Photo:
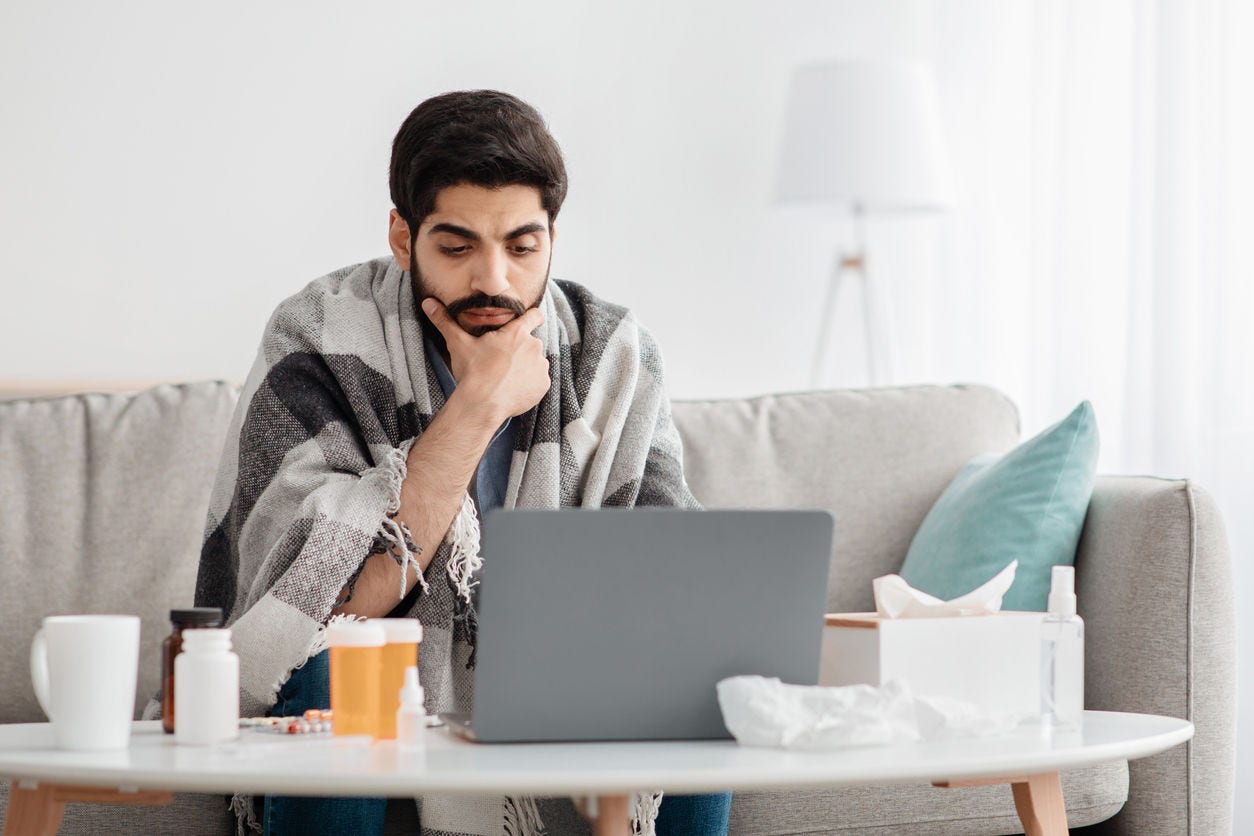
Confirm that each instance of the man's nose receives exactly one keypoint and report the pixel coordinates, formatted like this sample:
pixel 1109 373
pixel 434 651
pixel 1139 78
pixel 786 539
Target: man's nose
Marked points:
pixel 491 273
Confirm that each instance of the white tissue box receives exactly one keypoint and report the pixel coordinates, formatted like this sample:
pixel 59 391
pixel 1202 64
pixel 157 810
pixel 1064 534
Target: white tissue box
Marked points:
pixel 992 661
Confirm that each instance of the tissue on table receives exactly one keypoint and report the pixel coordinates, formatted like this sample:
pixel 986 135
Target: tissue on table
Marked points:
pixel 766 712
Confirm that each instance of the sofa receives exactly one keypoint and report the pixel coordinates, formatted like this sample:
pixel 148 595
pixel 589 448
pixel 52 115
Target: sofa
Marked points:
pixel 102 500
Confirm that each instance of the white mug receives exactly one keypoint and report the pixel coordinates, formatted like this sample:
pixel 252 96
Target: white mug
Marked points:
pixel 84 669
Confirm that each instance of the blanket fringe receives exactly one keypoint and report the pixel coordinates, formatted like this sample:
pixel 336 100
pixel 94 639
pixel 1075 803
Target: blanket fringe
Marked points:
pixel 644 812
pixel 522 817
pixel 397 535
pixel 464 560
pixel 245 816
pixel 395 469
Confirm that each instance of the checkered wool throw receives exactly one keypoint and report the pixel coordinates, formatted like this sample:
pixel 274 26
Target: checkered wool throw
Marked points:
pixel 315 458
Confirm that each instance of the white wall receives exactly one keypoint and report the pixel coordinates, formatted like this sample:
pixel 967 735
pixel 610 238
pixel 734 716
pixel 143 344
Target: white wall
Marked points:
pixel 170 171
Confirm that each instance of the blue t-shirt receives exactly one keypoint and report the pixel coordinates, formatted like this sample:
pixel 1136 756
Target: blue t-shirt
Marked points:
pixel 492 478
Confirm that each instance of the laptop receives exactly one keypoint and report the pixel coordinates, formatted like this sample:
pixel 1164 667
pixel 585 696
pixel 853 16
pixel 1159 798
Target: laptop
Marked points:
pixel 614 624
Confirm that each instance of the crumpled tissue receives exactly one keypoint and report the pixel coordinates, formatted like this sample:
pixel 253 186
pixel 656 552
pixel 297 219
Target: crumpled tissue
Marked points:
pixel 894 598
pixel 762 711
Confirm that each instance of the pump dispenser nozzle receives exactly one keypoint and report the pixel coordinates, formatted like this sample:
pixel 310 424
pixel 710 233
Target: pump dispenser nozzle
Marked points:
pixel 411 692
pixel 411 717
pixel 1062 590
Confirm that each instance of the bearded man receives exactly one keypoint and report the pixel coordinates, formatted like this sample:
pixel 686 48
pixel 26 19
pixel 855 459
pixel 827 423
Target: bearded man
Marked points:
pixel 395 402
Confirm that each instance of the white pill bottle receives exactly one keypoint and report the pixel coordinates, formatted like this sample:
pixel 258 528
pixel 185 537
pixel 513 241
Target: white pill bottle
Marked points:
pixel 206 689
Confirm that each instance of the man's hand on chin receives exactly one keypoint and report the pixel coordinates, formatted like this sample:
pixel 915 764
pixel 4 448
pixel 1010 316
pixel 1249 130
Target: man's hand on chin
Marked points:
pixel 503 372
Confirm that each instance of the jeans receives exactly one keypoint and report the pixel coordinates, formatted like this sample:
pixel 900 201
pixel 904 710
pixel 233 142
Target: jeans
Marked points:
pixel 310 687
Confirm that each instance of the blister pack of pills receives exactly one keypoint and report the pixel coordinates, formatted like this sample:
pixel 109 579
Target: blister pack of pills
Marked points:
pixel 313 722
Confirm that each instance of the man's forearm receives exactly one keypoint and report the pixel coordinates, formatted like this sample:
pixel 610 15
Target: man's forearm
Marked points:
pixel 499 374
pixel 439 469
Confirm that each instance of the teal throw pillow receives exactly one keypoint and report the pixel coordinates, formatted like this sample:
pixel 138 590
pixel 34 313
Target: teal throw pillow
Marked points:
pixel 1028 504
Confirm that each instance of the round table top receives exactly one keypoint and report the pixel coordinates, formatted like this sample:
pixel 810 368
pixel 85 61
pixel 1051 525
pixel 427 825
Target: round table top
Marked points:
pixel 267 762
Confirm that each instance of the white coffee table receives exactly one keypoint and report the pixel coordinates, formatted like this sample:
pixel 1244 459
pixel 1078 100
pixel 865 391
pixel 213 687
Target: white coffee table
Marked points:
pixel 44 779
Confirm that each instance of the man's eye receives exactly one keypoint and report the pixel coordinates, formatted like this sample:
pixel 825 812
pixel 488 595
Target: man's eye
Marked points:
pixel 520 250
pixel 454 250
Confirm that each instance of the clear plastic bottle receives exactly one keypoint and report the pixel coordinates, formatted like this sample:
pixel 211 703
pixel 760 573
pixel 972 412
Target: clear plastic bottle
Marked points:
pixel 411 717
pixel 206 688
pixel 1062 656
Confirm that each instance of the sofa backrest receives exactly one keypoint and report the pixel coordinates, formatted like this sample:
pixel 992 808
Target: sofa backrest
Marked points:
pixel 103 497
pixel 876 458
pixel 102 510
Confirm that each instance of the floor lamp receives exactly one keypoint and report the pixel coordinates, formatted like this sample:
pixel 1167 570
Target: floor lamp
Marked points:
pixel 862 136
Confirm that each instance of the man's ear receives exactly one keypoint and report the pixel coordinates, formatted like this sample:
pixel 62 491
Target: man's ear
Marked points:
pixel 399 239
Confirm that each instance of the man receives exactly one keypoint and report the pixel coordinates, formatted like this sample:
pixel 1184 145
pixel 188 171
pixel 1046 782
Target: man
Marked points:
pixel 394 402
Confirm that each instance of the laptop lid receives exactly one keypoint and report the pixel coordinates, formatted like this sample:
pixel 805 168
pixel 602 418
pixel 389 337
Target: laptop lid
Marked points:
pixel 615 624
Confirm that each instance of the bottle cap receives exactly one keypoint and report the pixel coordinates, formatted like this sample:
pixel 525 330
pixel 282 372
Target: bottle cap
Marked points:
pixel 355 634
pixel 400 630
pixel 197 616
pixel 411 692
pixel 1062 590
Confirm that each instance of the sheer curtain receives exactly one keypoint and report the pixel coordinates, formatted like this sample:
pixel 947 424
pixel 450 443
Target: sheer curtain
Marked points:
pixel 1104 245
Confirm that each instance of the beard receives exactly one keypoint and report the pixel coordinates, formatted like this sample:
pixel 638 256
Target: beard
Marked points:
pixel 459 306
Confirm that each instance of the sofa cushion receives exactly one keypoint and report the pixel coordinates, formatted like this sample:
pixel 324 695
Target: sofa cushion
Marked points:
pixel 876 458
pixel 102 509
pixel 1027 505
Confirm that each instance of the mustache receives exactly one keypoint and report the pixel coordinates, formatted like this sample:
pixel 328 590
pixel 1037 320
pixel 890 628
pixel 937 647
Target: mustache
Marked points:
pixel 482 300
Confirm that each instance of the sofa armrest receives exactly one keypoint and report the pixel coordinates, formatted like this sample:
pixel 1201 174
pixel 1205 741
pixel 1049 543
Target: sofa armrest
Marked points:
pixel 1154 585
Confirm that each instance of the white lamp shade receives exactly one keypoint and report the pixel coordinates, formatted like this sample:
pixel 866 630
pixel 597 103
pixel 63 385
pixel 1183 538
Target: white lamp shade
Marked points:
pixel 865 134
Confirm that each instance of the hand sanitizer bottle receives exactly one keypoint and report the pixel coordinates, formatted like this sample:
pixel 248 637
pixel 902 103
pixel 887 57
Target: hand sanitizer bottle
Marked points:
pixel 1062 656
pixel 411 717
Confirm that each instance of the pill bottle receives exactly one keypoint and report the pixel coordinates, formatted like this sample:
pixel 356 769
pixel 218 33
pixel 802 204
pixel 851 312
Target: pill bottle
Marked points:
pixel 206 688
pixel 181 619
pixel 356 649
pixel 401 652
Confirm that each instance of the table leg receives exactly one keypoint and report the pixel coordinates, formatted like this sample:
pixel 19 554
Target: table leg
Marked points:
pixel 36 808
pixel 1038 800
pixel 33 811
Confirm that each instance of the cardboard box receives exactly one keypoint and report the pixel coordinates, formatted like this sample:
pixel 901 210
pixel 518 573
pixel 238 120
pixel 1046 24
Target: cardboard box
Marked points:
pixel 992 661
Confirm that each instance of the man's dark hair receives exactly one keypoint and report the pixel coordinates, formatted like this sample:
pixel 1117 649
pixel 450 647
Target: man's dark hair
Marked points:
pixel 482 137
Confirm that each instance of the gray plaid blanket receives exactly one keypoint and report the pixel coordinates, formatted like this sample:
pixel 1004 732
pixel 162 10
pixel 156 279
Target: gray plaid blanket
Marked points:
pixel 315 457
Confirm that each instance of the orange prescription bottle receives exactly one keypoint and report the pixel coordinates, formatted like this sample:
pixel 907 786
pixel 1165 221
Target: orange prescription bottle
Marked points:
pixel 356 665
pixel 401 651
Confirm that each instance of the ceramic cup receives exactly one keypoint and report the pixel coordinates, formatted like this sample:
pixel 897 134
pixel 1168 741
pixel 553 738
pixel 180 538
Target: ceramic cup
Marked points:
pixel 84 669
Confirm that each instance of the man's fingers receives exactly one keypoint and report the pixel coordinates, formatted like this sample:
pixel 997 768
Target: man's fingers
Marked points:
pixel 438 314
pixel 531 319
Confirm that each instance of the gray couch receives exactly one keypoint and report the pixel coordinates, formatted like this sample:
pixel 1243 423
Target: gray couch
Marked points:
pixel 102 501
